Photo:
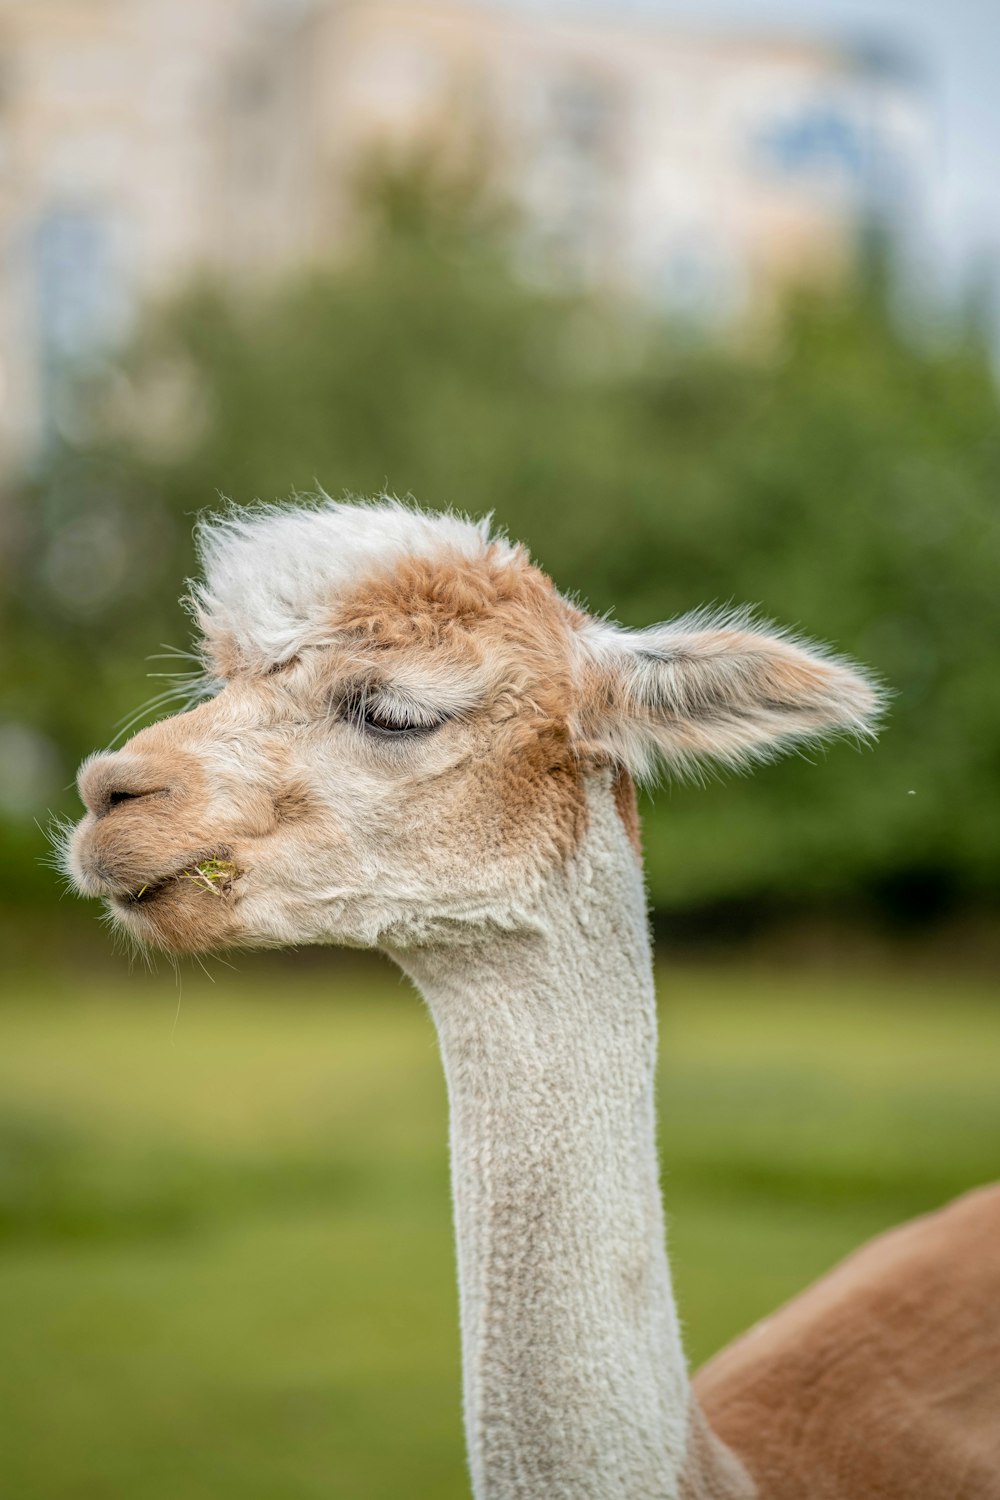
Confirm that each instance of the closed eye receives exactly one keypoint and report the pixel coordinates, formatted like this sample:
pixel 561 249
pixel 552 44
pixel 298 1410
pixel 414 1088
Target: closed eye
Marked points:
pixel 378 720
pixel 384 720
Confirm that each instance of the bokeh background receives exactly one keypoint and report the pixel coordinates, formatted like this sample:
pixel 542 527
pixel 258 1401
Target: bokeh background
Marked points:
pixel 703 306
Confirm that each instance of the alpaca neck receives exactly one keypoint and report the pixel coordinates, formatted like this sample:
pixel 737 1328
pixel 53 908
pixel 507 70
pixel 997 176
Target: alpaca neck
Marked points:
pixel 574 1377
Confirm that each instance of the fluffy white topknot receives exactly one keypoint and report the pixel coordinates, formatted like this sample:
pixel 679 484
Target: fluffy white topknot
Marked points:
pixel 271 573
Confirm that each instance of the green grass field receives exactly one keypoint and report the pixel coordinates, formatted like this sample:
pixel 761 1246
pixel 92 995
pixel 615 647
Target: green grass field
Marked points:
pixel 225 1241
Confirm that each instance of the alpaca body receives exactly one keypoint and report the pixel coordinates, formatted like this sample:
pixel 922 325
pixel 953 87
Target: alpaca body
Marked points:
pixel 881 1381
pixel 412 741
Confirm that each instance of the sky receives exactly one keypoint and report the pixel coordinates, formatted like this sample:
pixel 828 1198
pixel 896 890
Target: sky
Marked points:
pixel 955 46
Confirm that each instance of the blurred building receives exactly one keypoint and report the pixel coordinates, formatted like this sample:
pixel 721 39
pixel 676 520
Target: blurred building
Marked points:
pixel 141 140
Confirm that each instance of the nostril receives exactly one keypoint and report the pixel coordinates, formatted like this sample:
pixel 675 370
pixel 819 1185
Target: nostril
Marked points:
pixel 115 796
pixel 107 782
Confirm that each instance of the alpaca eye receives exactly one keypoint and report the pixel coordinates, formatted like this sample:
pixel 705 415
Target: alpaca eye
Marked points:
pixel 384 721
pixel 380 721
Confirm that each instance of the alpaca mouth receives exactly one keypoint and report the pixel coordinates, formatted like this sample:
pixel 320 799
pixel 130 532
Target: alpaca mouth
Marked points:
pixel 212 873
pixel 146 894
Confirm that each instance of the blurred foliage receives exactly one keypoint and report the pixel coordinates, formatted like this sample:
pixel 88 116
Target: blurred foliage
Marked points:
pixel 837 470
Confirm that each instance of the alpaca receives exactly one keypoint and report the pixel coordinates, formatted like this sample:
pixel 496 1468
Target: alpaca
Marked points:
pixel 414 743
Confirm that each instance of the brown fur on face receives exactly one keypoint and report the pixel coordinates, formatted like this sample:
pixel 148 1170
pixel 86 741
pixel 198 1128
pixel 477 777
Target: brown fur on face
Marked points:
pixel 153 818
pixel 504 610
pixel 143 857
pixel 495 608
pixel 501 619
pixel 293 803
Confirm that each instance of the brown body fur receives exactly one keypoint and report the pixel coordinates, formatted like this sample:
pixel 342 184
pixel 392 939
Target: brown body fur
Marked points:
pixel 882 1381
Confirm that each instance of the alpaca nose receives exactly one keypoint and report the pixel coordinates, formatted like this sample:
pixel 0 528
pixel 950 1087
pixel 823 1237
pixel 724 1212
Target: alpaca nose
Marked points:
pixel 108 781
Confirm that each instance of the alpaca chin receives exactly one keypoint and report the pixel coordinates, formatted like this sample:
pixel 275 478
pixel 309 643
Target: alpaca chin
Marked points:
pixel 177 920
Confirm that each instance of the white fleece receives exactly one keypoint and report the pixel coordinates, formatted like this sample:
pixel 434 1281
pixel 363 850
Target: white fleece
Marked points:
pixel 574 1376
pixel 272 572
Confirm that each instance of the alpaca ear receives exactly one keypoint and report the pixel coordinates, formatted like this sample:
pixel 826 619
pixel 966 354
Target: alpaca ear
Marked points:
pixel 721 687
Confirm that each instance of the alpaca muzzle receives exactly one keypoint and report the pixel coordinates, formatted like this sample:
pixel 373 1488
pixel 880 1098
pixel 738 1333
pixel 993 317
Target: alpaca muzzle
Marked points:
pixel 142 848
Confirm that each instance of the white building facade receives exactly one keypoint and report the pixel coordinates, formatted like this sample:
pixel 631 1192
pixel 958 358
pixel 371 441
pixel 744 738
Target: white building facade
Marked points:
pixel 142 141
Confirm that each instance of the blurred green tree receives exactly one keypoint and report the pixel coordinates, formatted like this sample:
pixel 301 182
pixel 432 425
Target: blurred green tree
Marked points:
pixel 837 472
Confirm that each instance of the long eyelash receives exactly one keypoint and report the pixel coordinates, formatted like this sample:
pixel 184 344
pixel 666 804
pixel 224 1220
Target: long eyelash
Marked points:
pixel 360 704
pixel 353 706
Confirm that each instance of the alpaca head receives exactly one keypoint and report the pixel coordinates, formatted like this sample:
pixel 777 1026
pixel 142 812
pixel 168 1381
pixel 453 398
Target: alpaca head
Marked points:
pixel 405 720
